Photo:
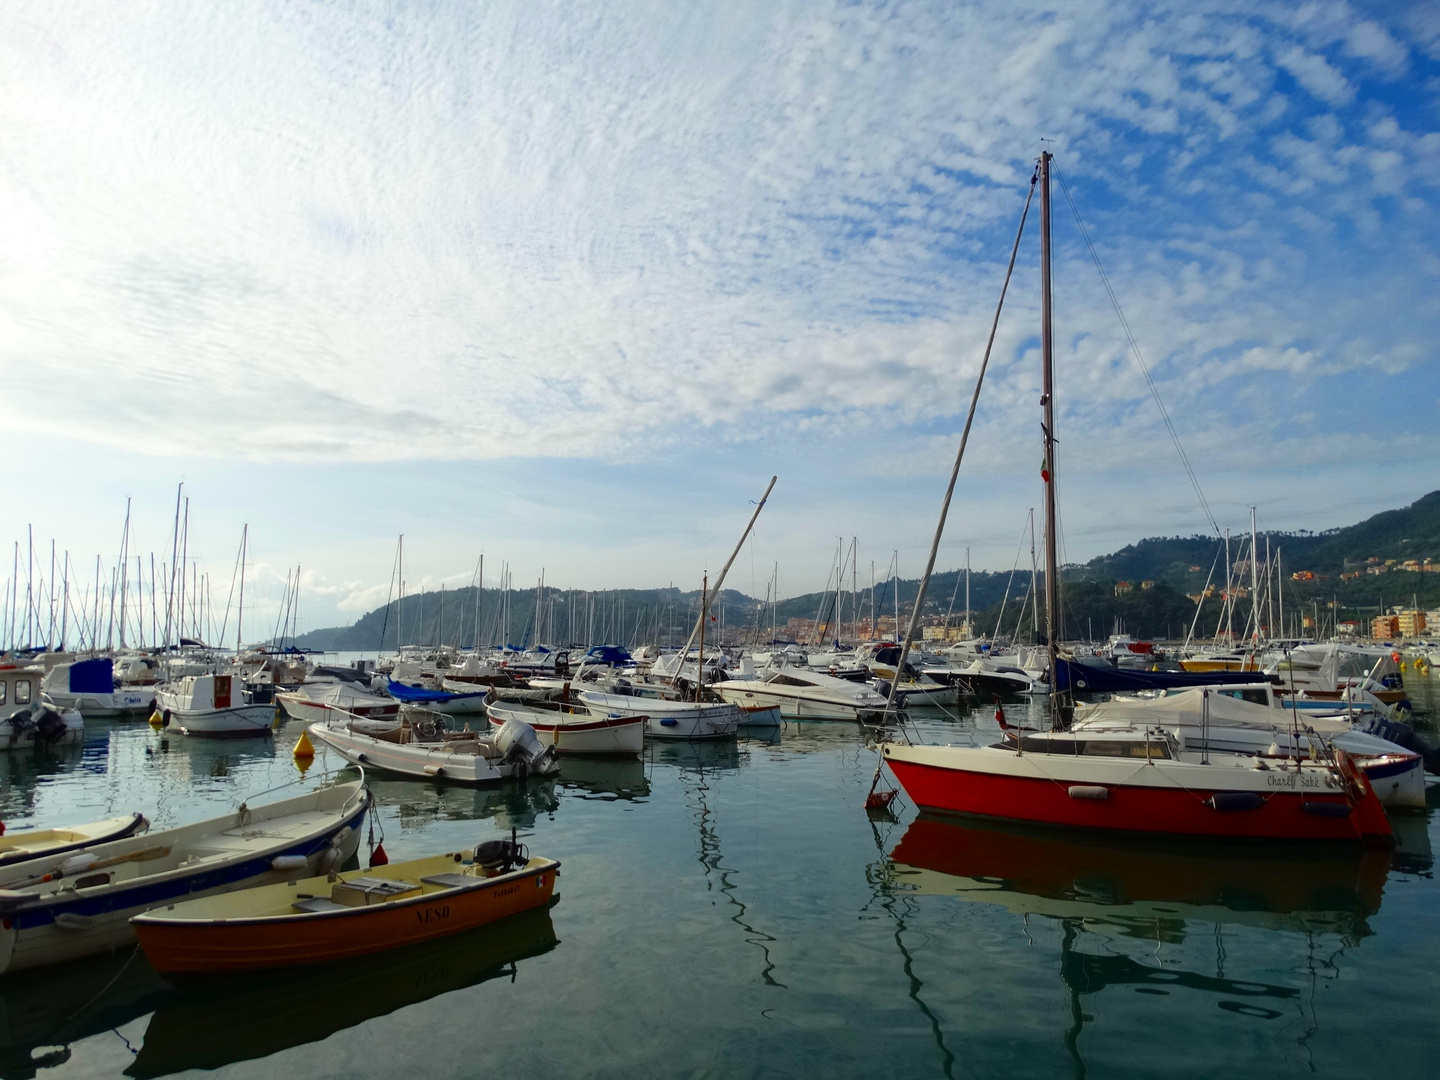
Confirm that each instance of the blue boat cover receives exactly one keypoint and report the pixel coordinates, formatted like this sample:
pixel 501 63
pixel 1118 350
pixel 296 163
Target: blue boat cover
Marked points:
pixel 95 676
pixel 609 654
pixel 1101 680
pixel 412 695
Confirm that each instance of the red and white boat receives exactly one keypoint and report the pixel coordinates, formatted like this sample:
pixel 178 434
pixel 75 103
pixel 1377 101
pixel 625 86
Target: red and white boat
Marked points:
pixel 1137 780
pixel 575 730
pixel 1135 777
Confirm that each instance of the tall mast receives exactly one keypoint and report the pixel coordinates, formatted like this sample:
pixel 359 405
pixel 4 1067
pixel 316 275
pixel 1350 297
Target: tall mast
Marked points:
pixel 1254 581
pixel 1047 401
pixel 240 609
pixel 967 593
pixel 700 666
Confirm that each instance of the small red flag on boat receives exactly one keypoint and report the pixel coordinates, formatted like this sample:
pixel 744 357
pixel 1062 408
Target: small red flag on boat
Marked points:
pixel 1000 715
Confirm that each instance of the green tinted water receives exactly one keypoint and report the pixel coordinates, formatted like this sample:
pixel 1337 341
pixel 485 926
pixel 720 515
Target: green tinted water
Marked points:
pixel 731 910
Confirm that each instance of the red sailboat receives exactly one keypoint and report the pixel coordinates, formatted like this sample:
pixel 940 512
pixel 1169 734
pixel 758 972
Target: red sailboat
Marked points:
pixel 1133 778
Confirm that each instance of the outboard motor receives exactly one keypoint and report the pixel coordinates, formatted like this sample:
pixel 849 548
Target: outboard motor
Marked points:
pixel 501 856
pixel 518 743
pixel 50 726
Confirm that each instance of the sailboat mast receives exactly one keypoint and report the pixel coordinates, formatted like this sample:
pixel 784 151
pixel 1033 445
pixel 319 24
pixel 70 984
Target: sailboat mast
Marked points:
pixel 1047 400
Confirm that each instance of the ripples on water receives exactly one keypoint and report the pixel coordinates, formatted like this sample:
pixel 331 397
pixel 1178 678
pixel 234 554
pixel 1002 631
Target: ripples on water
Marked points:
pixel 731 910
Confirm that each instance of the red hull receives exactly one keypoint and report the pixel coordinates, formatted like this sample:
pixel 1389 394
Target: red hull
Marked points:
pixel 1160 811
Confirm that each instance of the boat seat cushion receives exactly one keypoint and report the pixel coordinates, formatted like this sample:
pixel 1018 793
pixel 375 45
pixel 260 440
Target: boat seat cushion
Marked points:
pixel 318 903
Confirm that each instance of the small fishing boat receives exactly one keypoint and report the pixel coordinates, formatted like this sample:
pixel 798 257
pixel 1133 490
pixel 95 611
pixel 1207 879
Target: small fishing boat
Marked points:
pixel 420 745
pixel 65 906
pixel 575 730
pixel 22 845
pixel 340 916
pixel 316 701
pixel 214 706
pixel 666 719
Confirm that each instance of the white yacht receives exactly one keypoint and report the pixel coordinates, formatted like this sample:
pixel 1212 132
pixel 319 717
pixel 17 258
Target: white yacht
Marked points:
pixel 801 694
pixel 214 706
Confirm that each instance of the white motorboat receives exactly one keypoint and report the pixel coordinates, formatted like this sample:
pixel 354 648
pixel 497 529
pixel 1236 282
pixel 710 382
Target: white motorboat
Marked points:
pixel 28 718
pixel 89 687
pixel 801 694
pixel 666 719
pixel 421 746
pixel 317 701
pixel 70 905
pixel 1250 720
pixel 572 730
pixel 214 706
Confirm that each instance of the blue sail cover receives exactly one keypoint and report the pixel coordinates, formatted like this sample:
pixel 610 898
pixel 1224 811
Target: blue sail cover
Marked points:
pixel 1086 679
pixel 95 676
pixel 609 654
pixel 412 695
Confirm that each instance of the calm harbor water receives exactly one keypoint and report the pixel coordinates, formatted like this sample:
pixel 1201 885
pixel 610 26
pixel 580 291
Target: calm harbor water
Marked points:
pixel 731 910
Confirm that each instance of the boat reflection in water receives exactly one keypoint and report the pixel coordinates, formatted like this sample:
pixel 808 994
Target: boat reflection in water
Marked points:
pixel 1106 892
pixel 46 1010
pixel 705 754
pixel 239 1020
pixel 606 778
pixel 1141 884
pixel 514 802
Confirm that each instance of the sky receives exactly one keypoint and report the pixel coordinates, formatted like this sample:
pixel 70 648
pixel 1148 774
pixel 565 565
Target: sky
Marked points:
pixel 566 285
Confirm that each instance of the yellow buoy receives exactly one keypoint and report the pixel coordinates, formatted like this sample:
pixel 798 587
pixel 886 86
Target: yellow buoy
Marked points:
pixel 156 720
pixel 304 749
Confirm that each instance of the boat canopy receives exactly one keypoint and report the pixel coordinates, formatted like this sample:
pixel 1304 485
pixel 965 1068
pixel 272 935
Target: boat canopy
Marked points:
pixel 413 695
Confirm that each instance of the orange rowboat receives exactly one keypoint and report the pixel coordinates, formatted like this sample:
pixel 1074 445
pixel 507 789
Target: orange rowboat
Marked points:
pixel 322 919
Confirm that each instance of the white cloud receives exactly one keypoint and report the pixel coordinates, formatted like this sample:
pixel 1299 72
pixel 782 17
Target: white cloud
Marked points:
pixel 1316 75
pixel 280 234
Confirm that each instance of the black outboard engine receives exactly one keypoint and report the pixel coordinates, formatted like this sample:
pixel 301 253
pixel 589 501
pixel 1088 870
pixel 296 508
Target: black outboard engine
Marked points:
pixel 502 856
pixel 49 727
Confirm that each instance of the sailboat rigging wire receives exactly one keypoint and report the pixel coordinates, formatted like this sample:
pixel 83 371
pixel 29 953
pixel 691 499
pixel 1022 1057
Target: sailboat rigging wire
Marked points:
pixel 919 607
pixel 1203 593
pixel 1139 359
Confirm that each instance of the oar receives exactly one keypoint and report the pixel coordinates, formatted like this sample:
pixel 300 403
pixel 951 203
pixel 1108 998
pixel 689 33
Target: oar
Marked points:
pixel 143 855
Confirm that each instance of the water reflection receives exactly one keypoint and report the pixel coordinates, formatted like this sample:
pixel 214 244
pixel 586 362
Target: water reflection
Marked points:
pixel 1104 893
pixel 715 755
pixel 607 778
pixel 419 802
pixel 244 1019
pixel 42 1012
pixel 1143 887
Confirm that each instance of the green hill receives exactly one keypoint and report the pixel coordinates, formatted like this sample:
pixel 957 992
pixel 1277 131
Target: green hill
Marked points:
pixel 1348 566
